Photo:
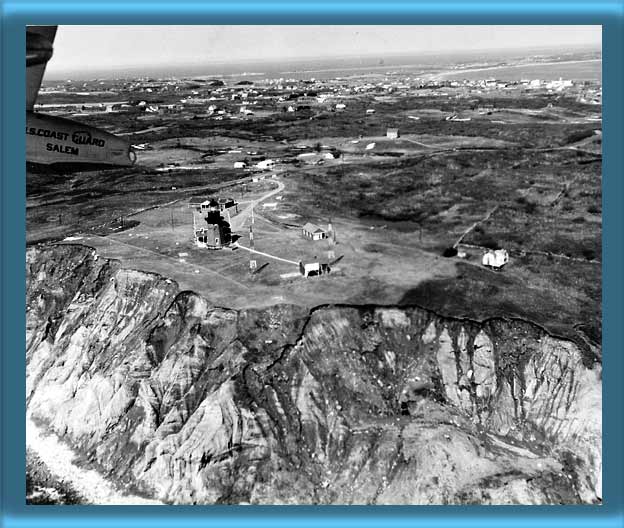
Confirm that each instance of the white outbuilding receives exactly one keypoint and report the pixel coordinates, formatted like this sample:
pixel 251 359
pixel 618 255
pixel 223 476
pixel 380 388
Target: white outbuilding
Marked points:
pixel 495 258
pixel 266 164
pixel 313 232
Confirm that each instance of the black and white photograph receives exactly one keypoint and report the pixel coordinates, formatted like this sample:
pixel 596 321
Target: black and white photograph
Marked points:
pixel 313 265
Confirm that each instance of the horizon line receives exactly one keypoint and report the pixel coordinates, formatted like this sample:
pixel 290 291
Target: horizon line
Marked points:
pixel 55 72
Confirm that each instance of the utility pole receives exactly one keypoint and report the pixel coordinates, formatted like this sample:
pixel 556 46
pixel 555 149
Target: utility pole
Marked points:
pixel 252 262
pixel 331 241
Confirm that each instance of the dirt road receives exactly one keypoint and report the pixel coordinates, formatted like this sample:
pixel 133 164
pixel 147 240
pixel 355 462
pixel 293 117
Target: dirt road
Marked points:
pixel 239 220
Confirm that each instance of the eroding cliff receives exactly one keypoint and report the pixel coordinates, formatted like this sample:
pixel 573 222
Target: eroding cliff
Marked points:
pixel 191 403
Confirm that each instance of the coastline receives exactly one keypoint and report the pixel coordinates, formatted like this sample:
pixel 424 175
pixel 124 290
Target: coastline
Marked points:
pixel 446 73
pixel 58 459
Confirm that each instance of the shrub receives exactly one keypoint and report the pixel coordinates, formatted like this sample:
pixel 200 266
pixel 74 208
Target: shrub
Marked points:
pixel 449 252
pixel 589 254
pixel 530 207
pixel 578 136
pixel 489 243
pixel 593 209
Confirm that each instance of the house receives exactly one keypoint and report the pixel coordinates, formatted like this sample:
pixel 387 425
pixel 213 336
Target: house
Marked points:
pixel 227 205
pixel 495 258
pixel 211 237
pixel 310 269
pixel 239 165
pixel 392 133
pixel 313 269
pixel 265 164
pixel 216 233
pixel 203 204
pixel 313 232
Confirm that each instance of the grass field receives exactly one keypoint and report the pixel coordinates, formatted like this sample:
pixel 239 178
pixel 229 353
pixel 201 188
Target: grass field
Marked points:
pixel 534 161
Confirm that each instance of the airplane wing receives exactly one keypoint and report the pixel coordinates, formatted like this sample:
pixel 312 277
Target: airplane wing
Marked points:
pixel 39 41
pixel 57 144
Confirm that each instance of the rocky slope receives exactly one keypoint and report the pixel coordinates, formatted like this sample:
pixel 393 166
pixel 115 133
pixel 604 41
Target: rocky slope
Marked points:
pixel 191 403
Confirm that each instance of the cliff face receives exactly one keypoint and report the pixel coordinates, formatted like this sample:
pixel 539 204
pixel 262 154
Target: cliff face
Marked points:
pixel 190 403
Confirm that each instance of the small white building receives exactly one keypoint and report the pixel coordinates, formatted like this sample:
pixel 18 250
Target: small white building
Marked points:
pixel 313 232
pixel 265 164
pixel 239 165
pixel 313 269
pixel 392 133
pixel 495 258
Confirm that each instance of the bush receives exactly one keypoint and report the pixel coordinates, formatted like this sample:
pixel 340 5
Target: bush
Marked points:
pixel 449 252
pixel 593 209
pixel 489 243
pixel 530 207
pixel 589 254
pixel 578 136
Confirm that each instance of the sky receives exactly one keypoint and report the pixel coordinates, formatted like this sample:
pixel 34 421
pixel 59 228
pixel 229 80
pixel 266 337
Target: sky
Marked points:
pixel 80 48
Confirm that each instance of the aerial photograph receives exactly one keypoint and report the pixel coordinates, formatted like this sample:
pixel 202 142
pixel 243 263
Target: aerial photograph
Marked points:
pixel 310 265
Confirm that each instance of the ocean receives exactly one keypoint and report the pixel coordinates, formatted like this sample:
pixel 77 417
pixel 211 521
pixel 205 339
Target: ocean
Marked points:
pixel 417 65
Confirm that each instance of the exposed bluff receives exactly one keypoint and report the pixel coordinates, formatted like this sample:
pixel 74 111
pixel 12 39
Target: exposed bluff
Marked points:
pixel 344 404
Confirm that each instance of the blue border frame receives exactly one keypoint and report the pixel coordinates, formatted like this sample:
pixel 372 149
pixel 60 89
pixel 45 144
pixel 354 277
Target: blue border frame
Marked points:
pixel 16 14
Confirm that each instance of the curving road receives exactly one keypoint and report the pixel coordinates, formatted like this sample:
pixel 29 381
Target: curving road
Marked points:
pixel 239 220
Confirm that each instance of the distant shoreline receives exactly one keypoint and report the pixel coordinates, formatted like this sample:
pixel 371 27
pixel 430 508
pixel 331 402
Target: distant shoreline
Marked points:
pixel 447 73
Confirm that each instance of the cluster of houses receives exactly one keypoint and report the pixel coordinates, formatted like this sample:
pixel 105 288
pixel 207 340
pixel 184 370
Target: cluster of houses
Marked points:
pixel 214 99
